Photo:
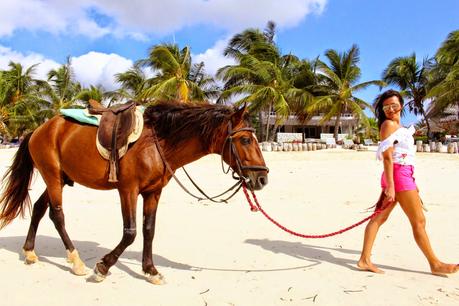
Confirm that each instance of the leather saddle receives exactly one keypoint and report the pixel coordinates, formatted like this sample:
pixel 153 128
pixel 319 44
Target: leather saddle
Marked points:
pixel 116 124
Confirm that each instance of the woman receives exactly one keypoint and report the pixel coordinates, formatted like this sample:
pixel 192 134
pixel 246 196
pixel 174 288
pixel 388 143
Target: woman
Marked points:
pixel 398 186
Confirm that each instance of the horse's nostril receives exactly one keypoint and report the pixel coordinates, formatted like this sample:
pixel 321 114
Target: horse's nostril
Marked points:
pixel 263 180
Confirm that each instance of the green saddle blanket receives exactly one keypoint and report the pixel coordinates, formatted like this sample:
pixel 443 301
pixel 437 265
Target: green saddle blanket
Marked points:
pixel 80 115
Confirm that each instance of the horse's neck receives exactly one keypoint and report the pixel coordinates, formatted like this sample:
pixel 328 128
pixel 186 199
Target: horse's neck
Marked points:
pixel 187 152
pixel 192 149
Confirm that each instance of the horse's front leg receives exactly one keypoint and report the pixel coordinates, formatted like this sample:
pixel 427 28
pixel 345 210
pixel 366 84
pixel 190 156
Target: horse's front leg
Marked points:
pixel 150 205
pixel 128 209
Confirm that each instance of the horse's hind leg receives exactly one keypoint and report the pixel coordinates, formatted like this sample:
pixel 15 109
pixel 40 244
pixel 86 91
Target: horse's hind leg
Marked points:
pixel 39 210
pixel 56 214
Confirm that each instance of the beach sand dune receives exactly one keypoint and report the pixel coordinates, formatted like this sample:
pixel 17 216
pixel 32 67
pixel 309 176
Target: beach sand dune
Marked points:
pixel 223 254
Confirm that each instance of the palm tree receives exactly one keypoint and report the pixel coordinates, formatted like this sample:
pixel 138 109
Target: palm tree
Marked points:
pixel 254 42
pixel 262 83
pixel 262 77
pixel 337 86
pixel 92 93
pixel 206 83
pixel 4 105
pixel 444 76
pixel 412 78
pixel 18 95
pixel 369 131
pixel 133 82
pixel 173 79
pixel 305 80
pixel 59 92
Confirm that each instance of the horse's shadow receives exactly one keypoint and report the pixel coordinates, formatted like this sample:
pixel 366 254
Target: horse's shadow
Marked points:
pixel 48 247
pixel 90 252
pixel 317 253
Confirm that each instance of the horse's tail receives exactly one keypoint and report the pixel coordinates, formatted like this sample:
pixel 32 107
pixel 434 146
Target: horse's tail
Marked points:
pixel 16 181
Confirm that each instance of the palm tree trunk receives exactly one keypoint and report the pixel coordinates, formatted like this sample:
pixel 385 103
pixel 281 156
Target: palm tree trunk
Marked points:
pixel 427 121
pixel 267 121
pixel 260 124
pixel 337 121
pixel 273 131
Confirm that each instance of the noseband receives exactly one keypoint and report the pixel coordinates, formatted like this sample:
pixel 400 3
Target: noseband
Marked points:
pixel 238 173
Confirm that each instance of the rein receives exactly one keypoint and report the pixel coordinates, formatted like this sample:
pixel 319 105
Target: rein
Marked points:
pixel 242 182
pixel 257 207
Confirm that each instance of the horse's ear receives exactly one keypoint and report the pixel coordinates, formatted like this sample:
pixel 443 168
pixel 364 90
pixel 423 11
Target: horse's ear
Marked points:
pixel 94 104
pixel 238 115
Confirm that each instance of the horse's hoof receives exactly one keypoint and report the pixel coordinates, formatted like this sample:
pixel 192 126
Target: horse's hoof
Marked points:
pixel 79 269
pixel 97 276
pixel 78 266
pixel 30 257
pixel 156 279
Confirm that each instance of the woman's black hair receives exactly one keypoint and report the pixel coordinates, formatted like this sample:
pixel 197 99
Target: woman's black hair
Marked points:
pixel 380 115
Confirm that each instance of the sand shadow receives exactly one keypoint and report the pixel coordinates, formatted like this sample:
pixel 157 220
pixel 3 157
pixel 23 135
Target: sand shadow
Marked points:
pixel 318 253
pixel 48 247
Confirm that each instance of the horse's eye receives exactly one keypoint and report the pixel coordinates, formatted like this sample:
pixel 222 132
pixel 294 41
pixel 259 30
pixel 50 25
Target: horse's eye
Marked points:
pixel 246 140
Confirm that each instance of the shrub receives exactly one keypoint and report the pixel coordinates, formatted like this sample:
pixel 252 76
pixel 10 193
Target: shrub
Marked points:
pixel 424 139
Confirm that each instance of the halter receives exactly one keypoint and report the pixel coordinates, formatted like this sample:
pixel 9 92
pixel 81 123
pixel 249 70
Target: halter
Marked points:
pixel 237 175
pixel 241 179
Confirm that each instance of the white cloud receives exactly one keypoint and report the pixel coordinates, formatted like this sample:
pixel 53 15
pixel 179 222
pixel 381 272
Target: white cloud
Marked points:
pixel 240 14
pixel 92 68
pixel 138 18
pixel 96 68
pixel 27 60
pixel 213 58
pixel 91 29
pixel 54 16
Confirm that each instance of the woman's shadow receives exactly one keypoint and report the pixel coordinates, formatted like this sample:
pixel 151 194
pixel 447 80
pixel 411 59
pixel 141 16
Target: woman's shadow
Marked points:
pixel 90 252
pixel 317 253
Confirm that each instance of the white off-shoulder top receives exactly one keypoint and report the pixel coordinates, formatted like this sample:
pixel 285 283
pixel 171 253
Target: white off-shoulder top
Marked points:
pixel 403 142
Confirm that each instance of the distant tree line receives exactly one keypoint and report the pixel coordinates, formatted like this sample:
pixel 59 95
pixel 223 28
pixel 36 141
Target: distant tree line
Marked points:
pixel 268 81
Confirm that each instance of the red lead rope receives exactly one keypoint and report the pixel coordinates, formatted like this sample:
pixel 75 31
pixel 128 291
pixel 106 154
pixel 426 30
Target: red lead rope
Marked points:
pixel 257 207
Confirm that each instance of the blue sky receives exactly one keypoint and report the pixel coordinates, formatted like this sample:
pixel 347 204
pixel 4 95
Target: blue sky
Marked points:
pixel 104 37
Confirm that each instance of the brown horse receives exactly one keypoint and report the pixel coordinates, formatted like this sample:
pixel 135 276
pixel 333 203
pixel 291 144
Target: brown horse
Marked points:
pixel 64 152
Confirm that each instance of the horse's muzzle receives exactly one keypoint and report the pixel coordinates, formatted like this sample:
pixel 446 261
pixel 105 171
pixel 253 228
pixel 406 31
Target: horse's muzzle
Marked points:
pixel 258 180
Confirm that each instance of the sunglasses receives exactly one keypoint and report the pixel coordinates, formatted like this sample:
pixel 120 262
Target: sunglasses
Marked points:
pixel 393 107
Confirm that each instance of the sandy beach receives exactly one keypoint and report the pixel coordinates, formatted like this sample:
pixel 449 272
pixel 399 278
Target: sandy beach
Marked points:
pixel 224 254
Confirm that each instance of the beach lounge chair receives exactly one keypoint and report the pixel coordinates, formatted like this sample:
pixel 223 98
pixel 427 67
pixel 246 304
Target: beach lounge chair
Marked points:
pixel 348 144
pixel 330 143
pixel 368 142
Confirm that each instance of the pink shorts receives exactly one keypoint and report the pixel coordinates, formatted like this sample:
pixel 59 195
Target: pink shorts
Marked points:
pixel 403 178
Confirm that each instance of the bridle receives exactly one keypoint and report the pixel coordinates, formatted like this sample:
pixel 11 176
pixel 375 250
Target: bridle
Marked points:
pixel 237 175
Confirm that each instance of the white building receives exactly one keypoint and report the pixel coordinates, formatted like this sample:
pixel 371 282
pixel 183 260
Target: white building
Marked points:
pixel 313 127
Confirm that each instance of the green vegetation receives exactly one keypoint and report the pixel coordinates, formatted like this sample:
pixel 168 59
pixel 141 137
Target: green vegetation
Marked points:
pixel 268 81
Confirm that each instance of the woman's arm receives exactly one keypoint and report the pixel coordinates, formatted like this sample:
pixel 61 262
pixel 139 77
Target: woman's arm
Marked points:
pixel 387 128
pixel 389 174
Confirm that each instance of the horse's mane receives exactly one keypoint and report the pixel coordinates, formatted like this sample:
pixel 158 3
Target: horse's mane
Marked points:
pixel 179 122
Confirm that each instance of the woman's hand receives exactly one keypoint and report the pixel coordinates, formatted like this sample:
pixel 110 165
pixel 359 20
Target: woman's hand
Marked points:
pixel 390 195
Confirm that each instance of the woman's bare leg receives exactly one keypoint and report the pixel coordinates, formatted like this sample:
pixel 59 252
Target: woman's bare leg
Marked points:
pixel 370 235
pixel 412 206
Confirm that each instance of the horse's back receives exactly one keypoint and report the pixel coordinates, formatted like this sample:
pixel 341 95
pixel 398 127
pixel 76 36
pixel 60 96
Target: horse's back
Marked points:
pixel 69 147
pixel 58 134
